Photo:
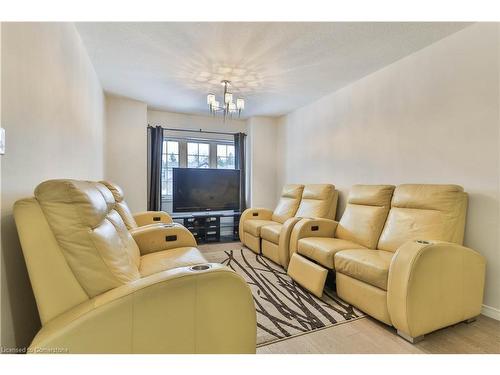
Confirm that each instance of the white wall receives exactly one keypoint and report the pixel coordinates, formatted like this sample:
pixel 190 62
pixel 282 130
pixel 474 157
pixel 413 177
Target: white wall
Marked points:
pixel 126 149
pixel 262 172
pixel 432 117
pixel 53 113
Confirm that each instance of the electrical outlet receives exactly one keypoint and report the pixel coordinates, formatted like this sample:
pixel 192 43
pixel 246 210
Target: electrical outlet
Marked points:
pixel 2 141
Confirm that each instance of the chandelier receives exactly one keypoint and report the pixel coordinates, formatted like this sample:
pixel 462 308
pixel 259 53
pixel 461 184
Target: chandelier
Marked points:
pixel 228 108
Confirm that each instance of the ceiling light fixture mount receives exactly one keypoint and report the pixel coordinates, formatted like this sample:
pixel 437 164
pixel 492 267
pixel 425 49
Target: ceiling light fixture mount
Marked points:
pixel 228 108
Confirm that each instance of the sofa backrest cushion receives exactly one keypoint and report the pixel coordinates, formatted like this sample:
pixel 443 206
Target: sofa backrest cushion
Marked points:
pixel 318 201
pixel 425 212
pixel 54 284
pixel 288 203
pixel 93 238
pixel 121 206
pixel 365 214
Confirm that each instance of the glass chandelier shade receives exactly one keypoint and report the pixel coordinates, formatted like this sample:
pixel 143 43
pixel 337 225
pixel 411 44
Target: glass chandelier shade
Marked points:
pixel 229 107
pixel 210 99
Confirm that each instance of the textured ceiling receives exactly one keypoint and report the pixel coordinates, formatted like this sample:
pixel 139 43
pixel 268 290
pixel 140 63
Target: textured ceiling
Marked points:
pixel 276 67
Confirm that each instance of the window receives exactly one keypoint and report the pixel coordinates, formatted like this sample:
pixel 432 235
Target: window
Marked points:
pixel 198 155
pixel 192 153
pixel 225 156
pixel 170 159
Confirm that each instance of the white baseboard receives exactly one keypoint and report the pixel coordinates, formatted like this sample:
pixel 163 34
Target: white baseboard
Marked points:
pixel 490 312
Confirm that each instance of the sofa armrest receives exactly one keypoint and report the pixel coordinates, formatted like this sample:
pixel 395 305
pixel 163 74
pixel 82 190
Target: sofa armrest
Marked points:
pixel 151 239
pixel 152 217
pixel 284 242
pixel 253 213
pixel 175 311
pixel 433 284
pixel 311 228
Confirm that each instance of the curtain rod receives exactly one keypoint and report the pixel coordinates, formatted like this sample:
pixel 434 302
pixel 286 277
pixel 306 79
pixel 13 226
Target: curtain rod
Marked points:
pixel 195 131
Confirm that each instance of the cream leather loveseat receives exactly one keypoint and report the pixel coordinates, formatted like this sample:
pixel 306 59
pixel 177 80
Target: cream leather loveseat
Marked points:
pixel 101 288
pixel 266 231
pixel 139 219
pixel 397 256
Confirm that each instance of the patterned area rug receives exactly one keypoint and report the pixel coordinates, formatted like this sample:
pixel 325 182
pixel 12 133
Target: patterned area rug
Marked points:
pixel 284 309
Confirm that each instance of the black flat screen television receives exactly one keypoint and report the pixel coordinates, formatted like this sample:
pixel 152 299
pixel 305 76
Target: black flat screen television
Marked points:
pixel 201 189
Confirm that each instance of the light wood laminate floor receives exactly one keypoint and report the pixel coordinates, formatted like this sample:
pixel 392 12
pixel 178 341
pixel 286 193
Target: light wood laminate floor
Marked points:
pixel 367 335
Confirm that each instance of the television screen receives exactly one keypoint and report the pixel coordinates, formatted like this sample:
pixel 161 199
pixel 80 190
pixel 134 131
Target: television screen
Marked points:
pixel 200 189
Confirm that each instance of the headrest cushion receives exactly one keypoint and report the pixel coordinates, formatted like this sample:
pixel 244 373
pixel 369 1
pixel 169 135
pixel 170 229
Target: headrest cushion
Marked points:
pixel 428 197
pixel 318 191
pixel 292 191
pixel 80 198
pixel 371 195
pixel 115 189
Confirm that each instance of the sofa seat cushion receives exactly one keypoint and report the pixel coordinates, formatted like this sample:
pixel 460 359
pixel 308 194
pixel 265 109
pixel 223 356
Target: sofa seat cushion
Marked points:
pixel 369 266
pixel 253 226
pixel 271 233
pixel 168 259
pixel 323 249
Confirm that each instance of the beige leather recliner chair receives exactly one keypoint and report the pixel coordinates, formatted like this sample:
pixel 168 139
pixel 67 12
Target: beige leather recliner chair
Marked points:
pixel 100 288
pixel 253 219
pixel 318 201
pixel 418 277
pixel 314 242
pixel 272 236
pixel 139 219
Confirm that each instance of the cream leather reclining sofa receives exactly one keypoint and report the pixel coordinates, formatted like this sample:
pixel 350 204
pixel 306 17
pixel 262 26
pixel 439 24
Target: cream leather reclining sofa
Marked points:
pixel 266 231
pixel 101 288
pixel 139 219
pixel 397 256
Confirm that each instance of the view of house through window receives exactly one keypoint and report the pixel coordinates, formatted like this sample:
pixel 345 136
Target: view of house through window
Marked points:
pixel 198 155
pixel 193 153
pixel 225 156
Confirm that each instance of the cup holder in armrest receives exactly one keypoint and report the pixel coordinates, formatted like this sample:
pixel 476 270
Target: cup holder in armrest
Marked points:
pixel 200 267
pixel 423 242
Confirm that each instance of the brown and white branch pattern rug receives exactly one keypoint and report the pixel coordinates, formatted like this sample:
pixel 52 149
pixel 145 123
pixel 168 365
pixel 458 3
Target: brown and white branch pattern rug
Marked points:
pixel 284 309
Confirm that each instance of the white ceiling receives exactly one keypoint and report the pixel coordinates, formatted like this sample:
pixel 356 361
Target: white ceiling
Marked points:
pixel 276 67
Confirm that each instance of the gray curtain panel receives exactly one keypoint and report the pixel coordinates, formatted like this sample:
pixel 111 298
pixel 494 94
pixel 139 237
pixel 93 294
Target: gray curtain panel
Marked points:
pixel 239 163
pixel 155 145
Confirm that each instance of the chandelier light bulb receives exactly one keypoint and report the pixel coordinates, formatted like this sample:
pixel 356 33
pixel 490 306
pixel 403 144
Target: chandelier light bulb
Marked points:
pixel 232 107
pixel 228 97
pixel 240 103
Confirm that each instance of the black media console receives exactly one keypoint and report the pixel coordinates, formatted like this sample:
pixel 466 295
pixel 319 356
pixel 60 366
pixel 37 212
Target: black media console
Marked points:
pixel 211 226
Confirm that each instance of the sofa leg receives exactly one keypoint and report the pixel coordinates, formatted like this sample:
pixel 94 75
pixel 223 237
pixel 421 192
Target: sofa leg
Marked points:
pixel 470 320
pixel 410 339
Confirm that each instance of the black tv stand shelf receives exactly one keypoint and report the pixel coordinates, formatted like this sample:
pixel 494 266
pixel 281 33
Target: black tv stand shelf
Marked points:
pixel 209 227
